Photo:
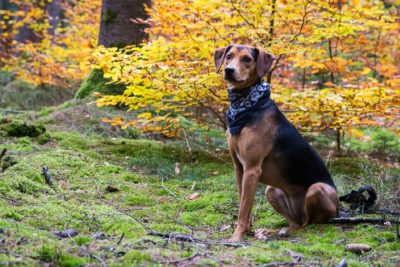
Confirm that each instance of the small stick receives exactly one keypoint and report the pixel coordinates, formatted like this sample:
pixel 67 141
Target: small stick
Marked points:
pixel 47 176
pixel 12 111
pixel 187 142
pixel 360 220
pixel 10 199
pixel 120 239
pixel 190 258
pixel 102 262
pixel 282 263
pixel 166 189
pixel 190 239
pixel 2 154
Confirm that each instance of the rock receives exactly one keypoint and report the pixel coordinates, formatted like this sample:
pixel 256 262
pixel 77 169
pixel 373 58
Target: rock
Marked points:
pixel 358 248
pixel 111 189
pixel 67 233
pixel 99 236
pixel 120 253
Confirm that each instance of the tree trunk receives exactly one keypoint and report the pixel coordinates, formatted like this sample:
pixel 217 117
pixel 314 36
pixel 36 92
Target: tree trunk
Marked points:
pixel 338 140
pixel 116 30
pixel 116 27
pixel 55 13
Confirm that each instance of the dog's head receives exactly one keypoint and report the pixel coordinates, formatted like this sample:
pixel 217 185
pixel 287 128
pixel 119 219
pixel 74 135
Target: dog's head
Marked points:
pixel 244 65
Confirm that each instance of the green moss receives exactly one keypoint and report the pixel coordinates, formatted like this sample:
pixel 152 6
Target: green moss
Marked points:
pixel 95 82
pixel 139 200
pixel 45 111
pixel 82 240
pixel 136 257
pixel 59 258
pixel 7 162
pixel 11 214
pixel 109 16
pixel 43 139
pixel 83 165
pixel 23 129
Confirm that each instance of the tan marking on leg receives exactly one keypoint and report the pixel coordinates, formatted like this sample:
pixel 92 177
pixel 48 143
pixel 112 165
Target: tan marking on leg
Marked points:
pixel 283 205
pixel 321 203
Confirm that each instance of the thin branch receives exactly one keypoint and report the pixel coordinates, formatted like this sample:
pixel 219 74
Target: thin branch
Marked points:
pixel 191 239
pixel 303 22
pixel 360 220
pixel 102 262
pixel 282 263
pixel 187 142
pixel 166 189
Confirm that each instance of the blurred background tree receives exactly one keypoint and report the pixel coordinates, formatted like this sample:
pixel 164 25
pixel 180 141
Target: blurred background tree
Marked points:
pixel 336 68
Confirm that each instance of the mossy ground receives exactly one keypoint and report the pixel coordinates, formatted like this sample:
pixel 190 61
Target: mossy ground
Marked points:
pixel 152 197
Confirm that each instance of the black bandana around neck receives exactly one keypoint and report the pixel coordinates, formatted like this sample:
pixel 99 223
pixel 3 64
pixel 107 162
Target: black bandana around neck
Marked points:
pixel 245 103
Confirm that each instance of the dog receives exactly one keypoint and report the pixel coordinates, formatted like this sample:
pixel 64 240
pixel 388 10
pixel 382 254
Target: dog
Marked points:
pixel 266 148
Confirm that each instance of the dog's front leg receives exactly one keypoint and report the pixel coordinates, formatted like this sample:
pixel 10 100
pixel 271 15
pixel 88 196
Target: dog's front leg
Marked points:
pixel 249 187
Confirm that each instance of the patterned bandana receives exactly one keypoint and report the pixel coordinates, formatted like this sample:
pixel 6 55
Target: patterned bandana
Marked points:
pixel 245 104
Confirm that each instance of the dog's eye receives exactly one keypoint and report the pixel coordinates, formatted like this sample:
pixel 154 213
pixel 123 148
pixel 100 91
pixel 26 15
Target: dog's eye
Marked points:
pixel 228 56
pixel 246 59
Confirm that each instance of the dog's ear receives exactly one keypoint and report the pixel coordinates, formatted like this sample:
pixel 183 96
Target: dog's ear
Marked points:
pixel 264 62
pixel 219 56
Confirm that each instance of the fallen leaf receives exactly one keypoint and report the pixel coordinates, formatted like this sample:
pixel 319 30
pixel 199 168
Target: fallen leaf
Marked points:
pixel 63 185
pixel 193 196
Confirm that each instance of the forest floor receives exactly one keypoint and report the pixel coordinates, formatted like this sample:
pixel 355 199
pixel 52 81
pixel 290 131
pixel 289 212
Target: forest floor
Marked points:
pixel 125 205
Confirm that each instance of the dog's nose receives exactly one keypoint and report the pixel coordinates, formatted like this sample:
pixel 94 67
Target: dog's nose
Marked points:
pixel 229 71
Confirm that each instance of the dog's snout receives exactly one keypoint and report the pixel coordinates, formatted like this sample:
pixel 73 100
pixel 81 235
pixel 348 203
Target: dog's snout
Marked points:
pixel 229 71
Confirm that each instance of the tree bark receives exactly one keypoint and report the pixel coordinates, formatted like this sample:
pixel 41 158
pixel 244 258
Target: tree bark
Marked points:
pixel 116 27
pixel 54 12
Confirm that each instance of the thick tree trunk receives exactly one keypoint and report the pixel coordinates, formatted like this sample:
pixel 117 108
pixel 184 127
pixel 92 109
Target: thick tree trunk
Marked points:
pixel 116 28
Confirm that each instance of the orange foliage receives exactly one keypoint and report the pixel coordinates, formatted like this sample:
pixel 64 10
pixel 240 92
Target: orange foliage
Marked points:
pixel 336 66
pixel 53 56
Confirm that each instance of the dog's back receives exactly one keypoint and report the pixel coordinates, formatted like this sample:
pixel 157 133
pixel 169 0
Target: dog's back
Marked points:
pixel 296 161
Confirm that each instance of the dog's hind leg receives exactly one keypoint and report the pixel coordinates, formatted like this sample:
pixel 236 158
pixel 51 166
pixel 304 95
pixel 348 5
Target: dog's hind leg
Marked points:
pixel 321 203
pixel 291 209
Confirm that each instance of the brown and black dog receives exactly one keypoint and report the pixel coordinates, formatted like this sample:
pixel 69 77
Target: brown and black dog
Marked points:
pixel 265 147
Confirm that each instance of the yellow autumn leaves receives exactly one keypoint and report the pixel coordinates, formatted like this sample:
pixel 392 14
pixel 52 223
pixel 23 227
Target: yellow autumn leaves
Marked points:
pixel 336 62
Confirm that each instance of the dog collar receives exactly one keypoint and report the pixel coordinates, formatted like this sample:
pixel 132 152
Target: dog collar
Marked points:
pixel 245 104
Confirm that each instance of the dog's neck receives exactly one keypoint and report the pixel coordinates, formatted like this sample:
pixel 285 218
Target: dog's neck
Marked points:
pixel 238 96
pixel 245 104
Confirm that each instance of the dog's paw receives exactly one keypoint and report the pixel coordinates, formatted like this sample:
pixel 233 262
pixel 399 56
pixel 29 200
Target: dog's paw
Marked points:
pixel 284 232
pixel 235 239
